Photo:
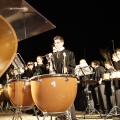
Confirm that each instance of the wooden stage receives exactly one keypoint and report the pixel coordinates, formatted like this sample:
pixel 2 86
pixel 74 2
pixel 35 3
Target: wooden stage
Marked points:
pixel 8 115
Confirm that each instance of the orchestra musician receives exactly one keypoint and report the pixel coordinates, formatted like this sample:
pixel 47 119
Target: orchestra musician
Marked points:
pixel 116 64
pixel 29 70
pixel 83 72
pixel 109 87
pixel 49 58
pixel 40 67
pixel 9 72
pixel 99 87
pixel 63 62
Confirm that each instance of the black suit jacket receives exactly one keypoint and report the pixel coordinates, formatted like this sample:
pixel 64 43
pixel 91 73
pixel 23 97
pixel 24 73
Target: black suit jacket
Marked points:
pixel 59 62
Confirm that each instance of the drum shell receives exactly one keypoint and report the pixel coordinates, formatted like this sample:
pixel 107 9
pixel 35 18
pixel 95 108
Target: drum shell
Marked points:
pixel 3 93
pixel 116 75
pixel 19 92
pixel 54 93
pixel 106 76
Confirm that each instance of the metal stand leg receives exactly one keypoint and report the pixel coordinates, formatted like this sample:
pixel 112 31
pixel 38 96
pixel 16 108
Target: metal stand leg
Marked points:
pixel 89 110
pixel 45 114
pixel 18 113
pixel 115 109
pixel 67 113
pixel 35 113
pixel 1 105
pixel 113 112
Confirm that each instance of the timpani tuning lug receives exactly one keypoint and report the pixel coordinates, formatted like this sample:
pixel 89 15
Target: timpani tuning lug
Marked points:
pixel 66 79
pixel 39 80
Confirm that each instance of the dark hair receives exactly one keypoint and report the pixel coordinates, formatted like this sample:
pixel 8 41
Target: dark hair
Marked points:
pixel 58 37
pixel 40 57
pixel 96 62
pixel 118 49
pixel 108 62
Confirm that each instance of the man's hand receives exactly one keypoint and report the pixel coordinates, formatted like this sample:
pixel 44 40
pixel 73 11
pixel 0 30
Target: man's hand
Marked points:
pixel 100 81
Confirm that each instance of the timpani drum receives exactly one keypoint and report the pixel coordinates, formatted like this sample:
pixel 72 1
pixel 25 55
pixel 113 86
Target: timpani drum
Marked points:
pixel 19 92
pixel 106 76
pixel 55 92
pixel 116 75
pixel 3 93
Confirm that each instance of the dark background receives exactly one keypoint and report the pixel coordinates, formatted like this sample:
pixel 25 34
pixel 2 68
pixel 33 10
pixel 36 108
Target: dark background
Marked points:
pixel 86 26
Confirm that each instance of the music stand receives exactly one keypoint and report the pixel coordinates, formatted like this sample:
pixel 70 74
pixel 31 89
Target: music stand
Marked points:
pixel 85 71
pixel 114 110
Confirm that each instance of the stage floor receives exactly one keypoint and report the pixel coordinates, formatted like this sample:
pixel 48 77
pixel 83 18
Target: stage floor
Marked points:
pixel 8 115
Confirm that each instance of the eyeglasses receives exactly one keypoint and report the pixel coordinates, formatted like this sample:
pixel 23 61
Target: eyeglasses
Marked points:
pixel 57 43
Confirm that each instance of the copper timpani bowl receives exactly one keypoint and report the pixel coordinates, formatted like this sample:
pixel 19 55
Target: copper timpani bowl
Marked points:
pixel 54 93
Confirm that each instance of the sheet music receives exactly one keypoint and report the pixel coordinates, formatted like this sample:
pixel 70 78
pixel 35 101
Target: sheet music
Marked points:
pixel 81 71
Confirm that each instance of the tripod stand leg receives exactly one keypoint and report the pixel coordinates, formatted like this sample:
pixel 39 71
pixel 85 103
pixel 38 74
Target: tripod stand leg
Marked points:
pixel 17 114
pixel 95 111
pixel 87 109
pixel 113 111
pixel 35 113
pixel 91 111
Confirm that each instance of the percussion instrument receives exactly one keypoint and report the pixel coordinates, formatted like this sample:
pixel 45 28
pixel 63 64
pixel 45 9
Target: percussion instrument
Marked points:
pixel 106 76
pixel 88 82
pixel 13 29
pixel 19 92
pixel 115 75
pixel 54 92
pixel 3 93
pixel 8 45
